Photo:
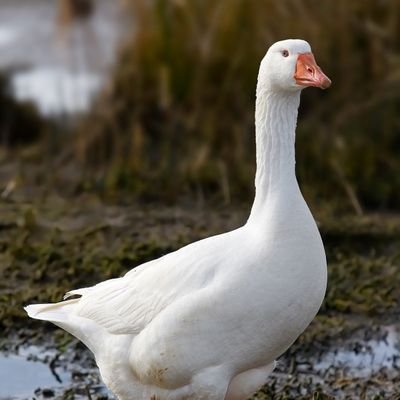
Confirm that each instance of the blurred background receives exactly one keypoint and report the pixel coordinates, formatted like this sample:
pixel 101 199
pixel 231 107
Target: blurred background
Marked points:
pixel 127 131
pixel 156 98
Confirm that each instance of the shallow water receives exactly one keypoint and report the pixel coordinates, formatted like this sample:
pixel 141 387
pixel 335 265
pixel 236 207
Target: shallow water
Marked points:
pixel 21 374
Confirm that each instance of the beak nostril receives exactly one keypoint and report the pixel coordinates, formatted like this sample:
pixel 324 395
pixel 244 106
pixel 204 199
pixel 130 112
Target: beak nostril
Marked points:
pixel 310 70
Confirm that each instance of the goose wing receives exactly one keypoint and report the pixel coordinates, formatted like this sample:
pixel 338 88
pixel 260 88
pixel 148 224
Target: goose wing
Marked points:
pixel 126 305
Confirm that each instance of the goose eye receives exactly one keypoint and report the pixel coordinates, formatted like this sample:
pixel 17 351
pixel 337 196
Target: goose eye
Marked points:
pixel 285 53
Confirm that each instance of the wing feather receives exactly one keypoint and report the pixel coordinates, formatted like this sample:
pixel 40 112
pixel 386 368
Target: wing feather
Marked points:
pixel 126 305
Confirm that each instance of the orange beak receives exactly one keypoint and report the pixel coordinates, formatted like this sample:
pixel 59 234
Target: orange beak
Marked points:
pixel 308 73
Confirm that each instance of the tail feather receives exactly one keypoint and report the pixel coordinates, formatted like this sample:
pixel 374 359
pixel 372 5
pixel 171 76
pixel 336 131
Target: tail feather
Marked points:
pixel 63 315
pixel 53 312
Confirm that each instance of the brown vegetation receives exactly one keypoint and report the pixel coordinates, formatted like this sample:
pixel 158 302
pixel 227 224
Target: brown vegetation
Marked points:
pixel 179 110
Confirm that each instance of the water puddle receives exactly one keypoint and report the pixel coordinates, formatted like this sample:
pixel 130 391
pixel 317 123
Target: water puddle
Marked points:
pixel 23 373
pixel 362 357
pixel 42 373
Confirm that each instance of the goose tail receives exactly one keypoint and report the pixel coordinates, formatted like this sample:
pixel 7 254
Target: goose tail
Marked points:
pixel 53 312
pixel 64 316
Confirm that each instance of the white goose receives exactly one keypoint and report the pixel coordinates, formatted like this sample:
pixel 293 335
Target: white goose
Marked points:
pixel 208 321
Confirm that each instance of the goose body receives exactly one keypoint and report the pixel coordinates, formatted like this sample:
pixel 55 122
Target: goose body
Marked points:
pixel 209 320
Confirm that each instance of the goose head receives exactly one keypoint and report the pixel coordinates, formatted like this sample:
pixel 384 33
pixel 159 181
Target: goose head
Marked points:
pixel 289 65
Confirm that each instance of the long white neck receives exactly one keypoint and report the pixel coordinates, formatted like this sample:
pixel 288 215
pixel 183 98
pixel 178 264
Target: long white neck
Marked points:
pixel 276 118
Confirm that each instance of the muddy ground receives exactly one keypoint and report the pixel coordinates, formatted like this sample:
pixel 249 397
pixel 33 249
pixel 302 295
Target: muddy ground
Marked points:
pixel 50 244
